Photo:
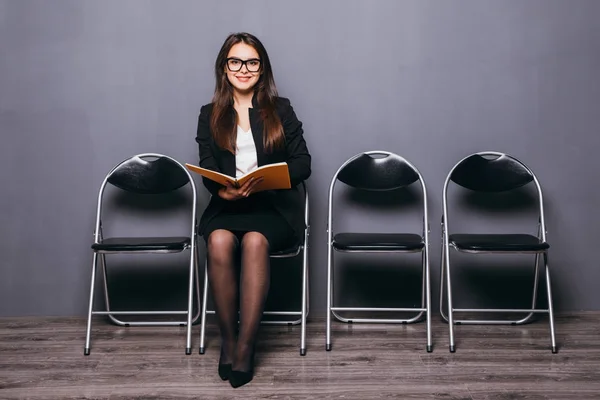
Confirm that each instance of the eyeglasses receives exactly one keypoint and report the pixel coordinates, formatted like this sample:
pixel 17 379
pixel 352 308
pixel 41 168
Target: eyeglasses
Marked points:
pixel 235 64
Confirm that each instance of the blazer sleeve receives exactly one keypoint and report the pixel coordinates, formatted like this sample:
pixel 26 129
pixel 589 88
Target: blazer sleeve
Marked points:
pixel 298 157
pixel 207 157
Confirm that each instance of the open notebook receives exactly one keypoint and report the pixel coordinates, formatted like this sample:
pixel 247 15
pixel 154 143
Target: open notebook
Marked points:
pixel 275 176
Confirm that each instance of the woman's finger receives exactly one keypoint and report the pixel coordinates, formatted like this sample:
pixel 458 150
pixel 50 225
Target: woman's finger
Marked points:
pixel 247 184
pixel 254 183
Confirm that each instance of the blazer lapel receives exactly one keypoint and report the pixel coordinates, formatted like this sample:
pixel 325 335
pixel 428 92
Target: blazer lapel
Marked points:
pixel 257 133
pixel 226 158
pixel 228 163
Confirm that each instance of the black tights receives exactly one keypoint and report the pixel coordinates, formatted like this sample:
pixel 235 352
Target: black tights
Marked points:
pixel 253 286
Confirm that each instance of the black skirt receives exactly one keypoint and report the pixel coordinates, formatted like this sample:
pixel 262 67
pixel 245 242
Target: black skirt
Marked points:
pixel 254 214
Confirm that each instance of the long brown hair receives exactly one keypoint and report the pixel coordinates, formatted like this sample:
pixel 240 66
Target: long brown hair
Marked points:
pixel 224 119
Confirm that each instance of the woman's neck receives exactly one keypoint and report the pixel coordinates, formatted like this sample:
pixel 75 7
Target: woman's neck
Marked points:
pixel 243 100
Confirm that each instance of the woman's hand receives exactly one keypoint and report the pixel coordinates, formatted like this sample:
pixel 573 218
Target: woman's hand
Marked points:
pixel 232 193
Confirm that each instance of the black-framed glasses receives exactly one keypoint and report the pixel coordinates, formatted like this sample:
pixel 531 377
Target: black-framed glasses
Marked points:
pixel 235 64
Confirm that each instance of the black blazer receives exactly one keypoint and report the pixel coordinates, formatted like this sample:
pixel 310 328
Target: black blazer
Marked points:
pixel 288 202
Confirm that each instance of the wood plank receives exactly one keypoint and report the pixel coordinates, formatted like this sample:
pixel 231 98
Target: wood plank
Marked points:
pixel 42 358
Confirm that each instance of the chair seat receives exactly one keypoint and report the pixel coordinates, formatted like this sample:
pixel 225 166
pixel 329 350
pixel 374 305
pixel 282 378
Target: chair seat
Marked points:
pixel 286 252
pixel 378 242
pixel 142 244
pixel 497 242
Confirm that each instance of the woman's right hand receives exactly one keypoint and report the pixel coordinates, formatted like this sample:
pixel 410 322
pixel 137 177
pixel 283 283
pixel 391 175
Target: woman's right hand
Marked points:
pixel 232 193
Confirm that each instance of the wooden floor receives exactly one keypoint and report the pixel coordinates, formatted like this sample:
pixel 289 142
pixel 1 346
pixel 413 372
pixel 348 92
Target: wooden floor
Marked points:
pixel 42 358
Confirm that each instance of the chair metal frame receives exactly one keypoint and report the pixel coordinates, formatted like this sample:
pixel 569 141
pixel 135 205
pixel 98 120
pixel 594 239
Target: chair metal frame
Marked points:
pixel 193 267
pixel 426 286
pixel 303 313
pixel 445 267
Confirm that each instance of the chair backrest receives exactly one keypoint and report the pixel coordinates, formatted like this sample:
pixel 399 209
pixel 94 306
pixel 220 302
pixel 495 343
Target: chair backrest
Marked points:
pixel 147 173
pixel 377 170
pixel 387 172
pixel 491 172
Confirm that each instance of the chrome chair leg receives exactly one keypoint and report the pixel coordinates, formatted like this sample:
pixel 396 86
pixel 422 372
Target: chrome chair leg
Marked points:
pixel 203 321
pixel 452 346
pixel 550 305
pixel 329 298
pixel 304 300
pixel 86 349
pixel 197 279
pixel 188 346
pixel 428 300
pixel 442 283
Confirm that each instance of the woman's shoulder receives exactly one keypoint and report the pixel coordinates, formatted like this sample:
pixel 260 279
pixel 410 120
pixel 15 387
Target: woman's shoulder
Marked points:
pixel 206 109
pixel 283 105
pixel 282 102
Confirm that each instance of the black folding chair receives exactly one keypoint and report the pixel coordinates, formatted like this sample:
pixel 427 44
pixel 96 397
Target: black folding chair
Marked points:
pixel 378 171
pixel 493 172
pixel 145 174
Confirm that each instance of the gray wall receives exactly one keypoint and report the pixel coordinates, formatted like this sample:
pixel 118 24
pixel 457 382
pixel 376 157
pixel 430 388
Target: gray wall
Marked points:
pixel 84 85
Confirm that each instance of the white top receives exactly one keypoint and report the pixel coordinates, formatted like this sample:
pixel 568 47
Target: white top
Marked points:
pixel 245 153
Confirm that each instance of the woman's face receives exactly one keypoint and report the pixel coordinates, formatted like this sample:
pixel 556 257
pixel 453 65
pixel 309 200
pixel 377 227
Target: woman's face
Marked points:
pixel 243 67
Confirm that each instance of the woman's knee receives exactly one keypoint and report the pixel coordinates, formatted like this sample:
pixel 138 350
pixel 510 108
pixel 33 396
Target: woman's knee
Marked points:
pixel 221 241
pixel 255 241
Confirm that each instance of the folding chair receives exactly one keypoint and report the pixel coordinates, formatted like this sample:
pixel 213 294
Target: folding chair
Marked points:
pixel 297 250
pixel 145 174
pixel 493 172
pixel 378 171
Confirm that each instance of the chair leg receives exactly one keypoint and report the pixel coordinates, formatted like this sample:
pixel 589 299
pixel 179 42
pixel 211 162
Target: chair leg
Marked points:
pixel 442 284
pixel 188 346
pixel 304 297
pixel 307 288
pixel 449 300
pixel 428 299
pixel 423 287
pixel 197 279
pixel 86 349
pixel 329 298
pixel 550 305
pixel 203 314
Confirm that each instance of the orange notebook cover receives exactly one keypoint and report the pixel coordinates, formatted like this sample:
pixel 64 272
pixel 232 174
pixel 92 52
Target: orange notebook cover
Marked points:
pixel 275 176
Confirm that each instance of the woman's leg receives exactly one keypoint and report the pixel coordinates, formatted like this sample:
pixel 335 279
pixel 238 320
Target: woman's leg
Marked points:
pixel 254 287
pixel 222 275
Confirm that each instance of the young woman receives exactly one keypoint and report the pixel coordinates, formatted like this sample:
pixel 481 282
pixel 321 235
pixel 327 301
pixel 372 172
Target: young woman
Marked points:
pixel 246 126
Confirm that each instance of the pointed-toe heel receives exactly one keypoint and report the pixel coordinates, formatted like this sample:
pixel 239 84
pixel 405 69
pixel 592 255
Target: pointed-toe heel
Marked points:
pixel 224 371
pixel 240 378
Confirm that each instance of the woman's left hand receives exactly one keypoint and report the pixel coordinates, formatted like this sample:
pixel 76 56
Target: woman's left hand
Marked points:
pixel 232 193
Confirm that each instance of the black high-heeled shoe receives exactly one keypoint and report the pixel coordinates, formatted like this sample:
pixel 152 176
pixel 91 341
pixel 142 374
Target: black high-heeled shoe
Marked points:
pixel 240 378
pixel 224 371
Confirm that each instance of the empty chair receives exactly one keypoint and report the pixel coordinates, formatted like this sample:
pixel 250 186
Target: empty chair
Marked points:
pixel 495 174
pixel 289 317
pixel 145 175
pixel 378 171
